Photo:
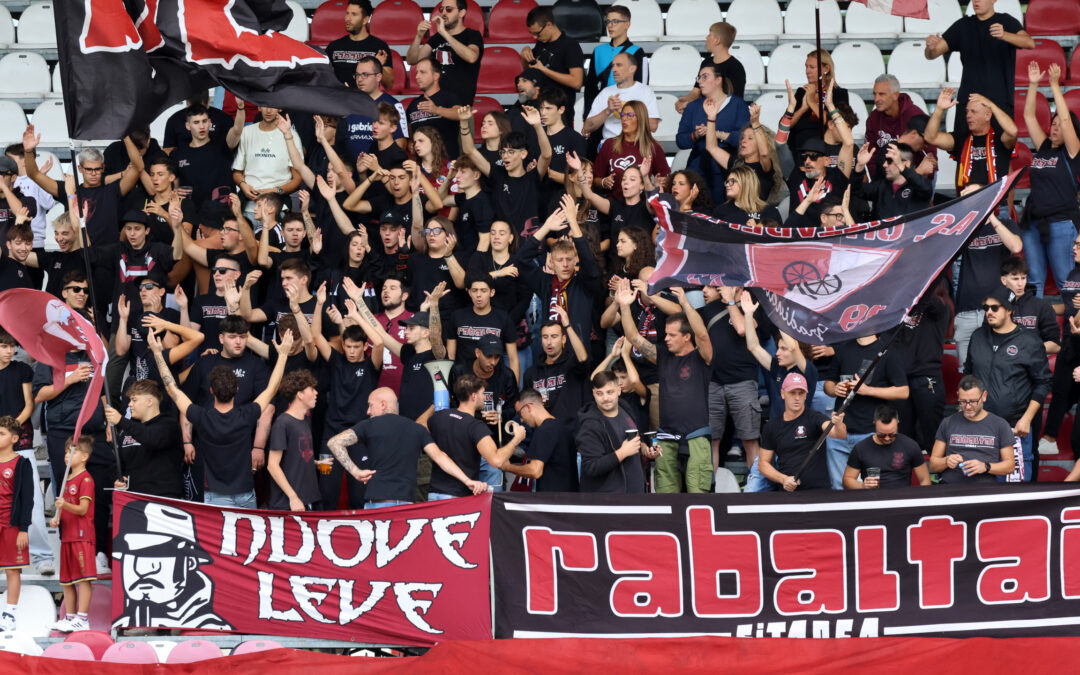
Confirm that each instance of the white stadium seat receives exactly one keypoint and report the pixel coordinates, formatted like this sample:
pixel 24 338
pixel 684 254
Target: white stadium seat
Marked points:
pixel 909 66
pixel 946 172
pixel 669 119
pixel 298 28
pixel 788 61
pixel 857 64
pixel 955 70
pixel 1002 7
pixel 680 160
pixel 755 20
pixel 36 28
pixel 7 28
pixel 12 122
pixel 24 74
pixel 673 68
pixel 690 19
pixel 36 612
pixel 942 15
pixel 57 86
pixel 799 20
pixel 773 105
pixel 750 58
pixel 51 122
pixel 648 23
pixel 862 23
pixel 917 99
pixel 859 106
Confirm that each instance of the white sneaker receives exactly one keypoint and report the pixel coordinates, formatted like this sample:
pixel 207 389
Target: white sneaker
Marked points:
pixel 1048 447
pixel 63 625
pixel 76 624
pixel 7 621
pixel 45 568
pixel 103 566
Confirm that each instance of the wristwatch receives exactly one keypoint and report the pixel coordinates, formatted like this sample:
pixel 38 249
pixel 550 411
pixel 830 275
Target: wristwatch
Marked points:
pixel 987 466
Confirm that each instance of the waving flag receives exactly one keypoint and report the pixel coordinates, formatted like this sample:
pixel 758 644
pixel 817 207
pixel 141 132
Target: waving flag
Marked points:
pixel 821 285
pixel 916 9
pixel 48 329
pixel 122 62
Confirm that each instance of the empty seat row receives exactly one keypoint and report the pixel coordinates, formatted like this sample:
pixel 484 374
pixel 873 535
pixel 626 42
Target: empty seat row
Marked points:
pixel 395 21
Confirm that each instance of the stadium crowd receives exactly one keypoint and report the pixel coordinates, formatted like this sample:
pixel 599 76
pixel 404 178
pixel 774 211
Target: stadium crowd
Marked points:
pixel 278 297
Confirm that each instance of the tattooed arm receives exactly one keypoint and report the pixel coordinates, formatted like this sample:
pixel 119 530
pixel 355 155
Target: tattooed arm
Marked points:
pixel 625 297
pixel 339 448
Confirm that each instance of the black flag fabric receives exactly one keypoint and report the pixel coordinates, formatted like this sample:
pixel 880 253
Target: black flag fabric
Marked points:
pixel 122 62
pixel 822 285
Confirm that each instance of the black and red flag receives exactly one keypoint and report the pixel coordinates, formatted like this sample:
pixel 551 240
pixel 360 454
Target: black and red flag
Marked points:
pixel 122 62
pixel 822 285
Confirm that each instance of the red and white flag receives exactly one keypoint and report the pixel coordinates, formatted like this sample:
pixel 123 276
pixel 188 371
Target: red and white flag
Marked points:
pixel 916 9
pixel 48 329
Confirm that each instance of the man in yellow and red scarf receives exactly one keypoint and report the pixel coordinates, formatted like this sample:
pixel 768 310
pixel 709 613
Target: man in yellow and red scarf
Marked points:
pixel 983 151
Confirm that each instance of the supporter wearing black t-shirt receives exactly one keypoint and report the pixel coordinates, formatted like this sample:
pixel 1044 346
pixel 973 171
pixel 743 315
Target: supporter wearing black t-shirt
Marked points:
pixel 151 451
pixel 517 198
pixel 16 379
pixel 978 438
pixel 500 385
pixel 346 51
pixel 557 52
pixel 731 213
pixel 468 324
pixel 551 455
pixel 425 272
pixel 458 75
pixel 560 376
pixel 205 169
pixel 897 457
pixel 291 442
pixel 178 136
pixel 428 108
pixel 790 440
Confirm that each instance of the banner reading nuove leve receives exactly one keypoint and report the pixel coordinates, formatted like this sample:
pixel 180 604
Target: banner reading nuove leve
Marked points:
pixel 950 562
pixel 412 575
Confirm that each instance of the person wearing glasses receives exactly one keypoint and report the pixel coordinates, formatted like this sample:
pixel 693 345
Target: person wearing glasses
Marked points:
pixel 600 75
pixel 1011 360
pixel 901 189
pixel 744 202
pixel 357 44
pixel 455 47
pixel 973 444
pixel 895 456
pixel 555 56
pixel 727 115
pixel 718 43
pixel 359 130
pixel 207 310
pixel 604 114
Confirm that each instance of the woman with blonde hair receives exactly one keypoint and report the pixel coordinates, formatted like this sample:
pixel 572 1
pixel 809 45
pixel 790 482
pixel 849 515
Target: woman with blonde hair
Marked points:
pixel 804 121
pixel 744 203
pixel 630 148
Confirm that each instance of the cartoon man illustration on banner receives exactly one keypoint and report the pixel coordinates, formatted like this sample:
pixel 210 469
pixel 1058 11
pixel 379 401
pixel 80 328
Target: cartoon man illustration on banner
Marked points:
pixel 159 570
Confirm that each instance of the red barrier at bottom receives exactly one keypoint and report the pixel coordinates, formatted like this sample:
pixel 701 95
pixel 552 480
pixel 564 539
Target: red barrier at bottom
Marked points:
pixel 749 656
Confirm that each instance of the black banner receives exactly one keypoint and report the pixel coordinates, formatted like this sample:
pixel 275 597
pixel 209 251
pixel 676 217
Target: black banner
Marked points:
pixel 946 561
pixel 122 62
pixel 822 285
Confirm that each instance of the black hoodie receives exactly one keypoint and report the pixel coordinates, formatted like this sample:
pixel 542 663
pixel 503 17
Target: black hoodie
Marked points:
pixel 601 470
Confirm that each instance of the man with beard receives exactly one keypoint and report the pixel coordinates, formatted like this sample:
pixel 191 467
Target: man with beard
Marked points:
pixel 357 44
pixel 561 376
pixel 159 569
pixel 392 320
pixel 457 48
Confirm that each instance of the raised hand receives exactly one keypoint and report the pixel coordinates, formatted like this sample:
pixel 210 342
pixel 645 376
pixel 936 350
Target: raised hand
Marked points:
pixel 1055 74
pixel 464 113
pixel 324 188
pixel 945 99
pixel 123 307
pixel 283 124
pixel 790 95
pixel 153 341
pixel 30 140
pixel 746 302
pixel 711 107
pixel 1035 74
pixel 866 153
pixel 624 295
pixel 755 114
pixel 531 115
pixel 422 28
pixel 335 314
pixel 305 200
pixel 573 162
pixel 180 296
pixel 285 345
pixel 176 214
pixel 252 278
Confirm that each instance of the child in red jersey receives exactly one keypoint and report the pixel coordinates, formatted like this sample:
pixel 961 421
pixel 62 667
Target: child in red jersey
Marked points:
pixel 16 509
pixel 75 515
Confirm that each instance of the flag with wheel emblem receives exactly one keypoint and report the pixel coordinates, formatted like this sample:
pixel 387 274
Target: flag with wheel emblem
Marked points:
pixel 822 285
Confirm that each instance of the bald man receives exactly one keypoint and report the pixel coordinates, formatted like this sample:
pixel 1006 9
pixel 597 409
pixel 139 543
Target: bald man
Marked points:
pixel 389 445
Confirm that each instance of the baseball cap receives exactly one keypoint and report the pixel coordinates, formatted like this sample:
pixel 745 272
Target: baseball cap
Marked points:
pixel 490 345
pixel 158 276
pixel 418 319
pixel 814 144
pixel 8 166
pixel 530 74
pixel 794 381
pixel 1002 295
pixel 134 217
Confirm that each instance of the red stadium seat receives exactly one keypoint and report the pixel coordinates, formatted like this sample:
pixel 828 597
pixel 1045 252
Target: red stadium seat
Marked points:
pixel 131 652
pixel 1050 288
pixel 1052 361
pixel 328 22
pixel 1052 474
pixel 474 17
pixel 193 651
pixel 950 373
pixel 1042 112
pixel 482 106
pixel 1064 438
pixel 395 21
pixel 1045 52
pixel 97 641
pixel 1074 67
pixel 1021 157
pixel 506 23
pixel 70 651
pixel 498 69
pixel 1052 17
pixel 1072 99
pixel 404 83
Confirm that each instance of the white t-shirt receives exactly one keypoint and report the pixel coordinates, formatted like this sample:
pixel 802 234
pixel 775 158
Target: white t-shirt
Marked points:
pixel 264 158
pixel 44 201
pixel 636 92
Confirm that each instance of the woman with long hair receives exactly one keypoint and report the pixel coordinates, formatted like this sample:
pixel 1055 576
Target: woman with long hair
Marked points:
pixel 631 210
pixel 494 126
pixel 429 152
pixel 1049 224
pixel 434 261
pixel 630 148
pixel 744 202
pixel 757 150
pixel 804 120
pixel 356 266
pixel 690 192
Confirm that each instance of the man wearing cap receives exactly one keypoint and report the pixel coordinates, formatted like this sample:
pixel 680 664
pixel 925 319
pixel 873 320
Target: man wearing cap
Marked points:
pixel 895 456
pixel 527 84
pixel 389 446
pixel 813 163
pixel 973 445
pixel 159 569
pixel 792 435
pixel 1011 360
pixel 9 171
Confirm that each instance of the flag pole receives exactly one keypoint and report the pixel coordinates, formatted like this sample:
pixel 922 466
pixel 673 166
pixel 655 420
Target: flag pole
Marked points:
pixel 820 78
pixel 847 401
pixel 92 299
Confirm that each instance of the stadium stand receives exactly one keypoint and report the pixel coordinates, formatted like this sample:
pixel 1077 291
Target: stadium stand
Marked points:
pixel 685 18
pixel 581 20
pixel 394 21
pixel 328 22
pixel 506 22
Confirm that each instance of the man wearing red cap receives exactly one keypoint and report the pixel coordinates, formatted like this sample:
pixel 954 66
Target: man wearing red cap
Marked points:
pixel 792 435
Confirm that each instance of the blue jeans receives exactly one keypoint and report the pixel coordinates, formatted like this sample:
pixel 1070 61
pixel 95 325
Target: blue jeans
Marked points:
pixel 490 475
pixel 383 504
pixel 1057 253
pixel 244 500
pixel 755 482
pixel 823 403
pixel 838 450
pixel 438 496
pixel 1028 458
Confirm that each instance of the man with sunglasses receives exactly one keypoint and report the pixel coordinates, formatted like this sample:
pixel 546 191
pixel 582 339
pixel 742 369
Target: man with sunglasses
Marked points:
pixel 1011 360
pixel 895 455
pixel 900 189
pixel 973 445
pixel 813 163
pixel 457 48
pixel 208 309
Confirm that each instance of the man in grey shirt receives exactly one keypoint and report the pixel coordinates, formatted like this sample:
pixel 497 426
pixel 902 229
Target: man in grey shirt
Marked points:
pixel 973 445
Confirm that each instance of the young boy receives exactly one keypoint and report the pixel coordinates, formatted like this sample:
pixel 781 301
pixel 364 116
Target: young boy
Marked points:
pixel 472 212
pixel 75 515
pixel 16 507
pixel 291 461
